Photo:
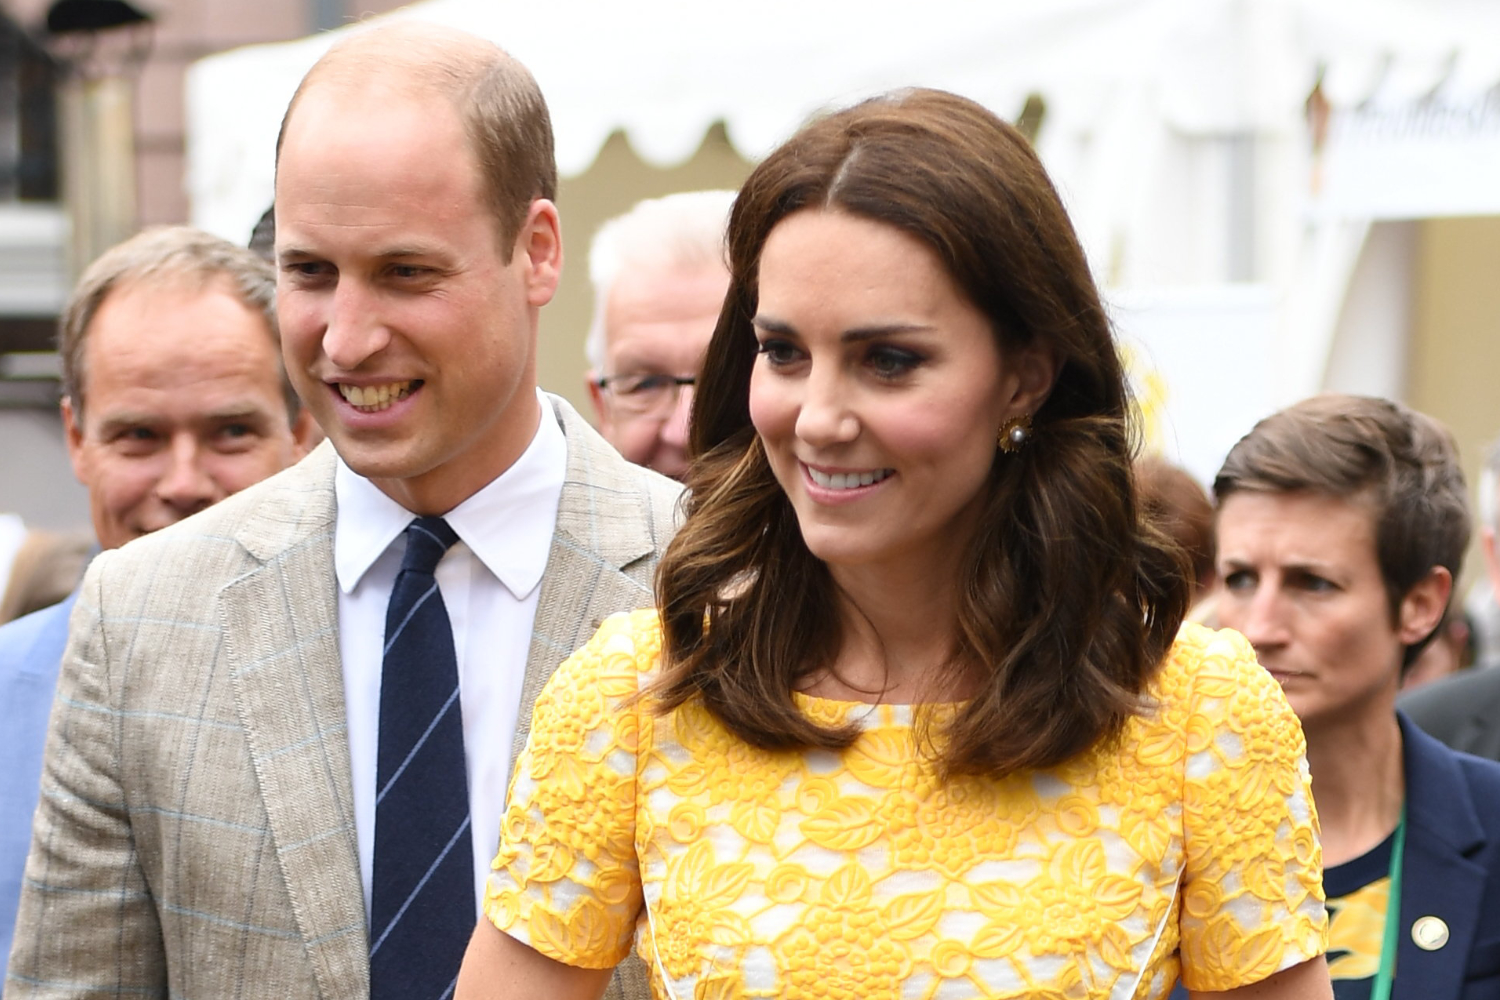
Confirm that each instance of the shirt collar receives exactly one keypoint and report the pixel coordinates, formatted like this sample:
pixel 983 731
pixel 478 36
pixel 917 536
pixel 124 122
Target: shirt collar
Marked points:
pixel 508 524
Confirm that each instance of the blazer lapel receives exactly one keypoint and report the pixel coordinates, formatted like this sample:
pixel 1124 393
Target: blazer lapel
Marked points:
pixel 603 521
pixel 280 625
pixel 1437 878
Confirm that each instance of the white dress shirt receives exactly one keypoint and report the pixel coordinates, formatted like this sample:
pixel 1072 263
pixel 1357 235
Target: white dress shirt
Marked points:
pixel 490 582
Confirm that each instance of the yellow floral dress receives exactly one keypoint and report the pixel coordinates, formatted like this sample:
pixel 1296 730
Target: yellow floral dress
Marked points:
pixel 1189 844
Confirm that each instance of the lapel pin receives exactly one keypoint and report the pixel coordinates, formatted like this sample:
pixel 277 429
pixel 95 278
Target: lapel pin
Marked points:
pixel 1429 933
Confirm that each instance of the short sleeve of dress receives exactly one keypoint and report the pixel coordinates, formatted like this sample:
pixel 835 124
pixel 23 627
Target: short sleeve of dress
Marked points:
pixel 565 879
pixel 1252 895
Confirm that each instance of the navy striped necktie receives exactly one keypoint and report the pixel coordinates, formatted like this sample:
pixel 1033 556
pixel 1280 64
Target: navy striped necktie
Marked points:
pixel 422 893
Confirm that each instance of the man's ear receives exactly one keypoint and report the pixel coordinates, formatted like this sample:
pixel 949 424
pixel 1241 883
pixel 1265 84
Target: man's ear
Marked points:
pixel 1423 606
pixel 540 240
pixel 73 435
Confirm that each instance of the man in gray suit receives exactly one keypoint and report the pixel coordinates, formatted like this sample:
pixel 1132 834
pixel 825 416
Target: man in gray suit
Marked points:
pixel 216 812
pixel 1464 710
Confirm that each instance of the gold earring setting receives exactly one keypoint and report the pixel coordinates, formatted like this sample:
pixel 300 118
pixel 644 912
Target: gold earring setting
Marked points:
pixel 1014 434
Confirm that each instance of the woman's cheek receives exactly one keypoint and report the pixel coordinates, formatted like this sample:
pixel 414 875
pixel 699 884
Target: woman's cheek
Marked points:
pixel 772 410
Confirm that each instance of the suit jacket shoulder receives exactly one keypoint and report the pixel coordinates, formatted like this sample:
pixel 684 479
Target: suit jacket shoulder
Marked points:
pixel 1462 711
pixel 620 510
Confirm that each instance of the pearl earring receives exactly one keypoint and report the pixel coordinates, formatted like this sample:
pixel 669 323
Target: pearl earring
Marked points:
pixel 1014 434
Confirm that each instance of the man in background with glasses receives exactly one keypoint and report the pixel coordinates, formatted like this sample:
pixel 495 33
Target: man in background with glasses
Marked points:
pixel 659 277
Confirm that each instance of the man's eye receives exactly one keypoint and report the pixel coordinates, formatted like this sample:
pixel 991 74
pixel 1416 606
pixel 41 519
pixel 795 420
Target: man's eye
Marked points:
pixel 408 270
pixel 644 384
pixel 309 272
pixel 135 440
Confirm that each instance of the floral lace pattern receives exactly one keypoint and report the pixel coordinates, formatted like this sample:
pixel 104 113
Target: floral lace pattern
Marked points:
pixel 863 874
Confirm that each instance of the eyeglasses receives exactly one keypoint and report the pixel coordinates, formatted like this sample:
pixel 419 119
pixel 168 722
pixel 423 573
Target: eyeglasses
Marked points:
pixel 643 394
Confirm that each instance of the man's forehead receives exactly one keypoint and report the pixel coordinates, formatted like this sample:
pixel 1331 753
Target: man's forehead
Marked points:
pixel 148 315
pixel 164 291
pixel 675 302
pixel 338 108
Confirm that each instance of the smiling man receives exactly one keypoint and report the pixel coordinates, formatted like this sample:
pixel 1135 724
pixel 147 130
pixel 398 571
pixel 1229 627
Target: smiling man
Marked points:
pixel 173 398
pixel 1342 523
pixel 288 726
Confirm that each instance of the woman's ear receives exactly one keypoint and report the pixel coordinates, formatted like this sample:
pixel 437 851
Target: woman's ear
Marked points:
pixel 1035 368
pixel 1422 608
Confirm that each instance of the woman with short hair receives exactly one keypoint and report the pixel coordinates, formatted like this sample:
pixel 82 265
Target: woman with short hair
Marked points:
pixel 913 717
pixel 1342 524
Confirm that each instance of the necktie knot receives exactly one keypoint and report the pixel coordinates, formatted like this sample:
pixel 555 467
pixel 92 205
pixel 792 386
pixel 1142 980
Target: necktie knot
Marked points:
pixel 427 538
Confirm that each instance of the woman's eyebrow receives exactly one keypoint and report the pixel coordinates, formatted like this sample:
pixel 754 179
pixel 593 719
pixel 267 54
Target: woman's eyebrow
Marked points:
pixel 770 324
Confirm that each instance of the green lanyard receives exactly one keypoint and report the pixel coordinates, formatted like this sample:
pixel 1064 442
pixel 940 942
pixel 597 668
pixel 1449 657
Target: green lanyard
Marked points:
pixel 1381 989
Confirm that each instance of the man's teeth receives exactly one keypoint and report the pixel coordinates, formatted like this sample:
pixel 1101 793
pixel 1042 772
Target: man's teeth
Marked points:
pixel 847 480
pixel 374 398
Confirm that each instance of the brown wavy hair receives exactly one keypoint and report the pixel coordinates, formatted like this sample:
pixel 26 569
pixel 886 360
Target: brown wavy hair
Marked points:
pixel 1067 602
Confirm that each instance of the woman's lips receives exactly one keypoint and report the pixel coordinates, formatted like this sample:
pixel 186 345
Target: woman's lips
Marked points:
pixel 849 480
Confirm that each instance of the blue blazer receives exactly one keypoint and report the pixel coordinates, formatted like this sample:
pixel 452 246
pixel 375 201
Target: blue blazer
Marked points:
pixel 1451 871
pixel 31 651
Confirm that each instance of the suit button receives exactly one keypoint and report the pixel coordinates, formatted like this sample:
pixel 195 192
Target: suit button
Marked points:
pixel 1429 933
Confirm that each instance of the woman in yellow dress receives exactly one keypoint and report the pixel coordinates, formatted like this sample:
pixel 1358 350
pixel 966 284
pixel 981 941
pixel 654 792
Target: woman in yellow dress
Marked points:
pixel 913 717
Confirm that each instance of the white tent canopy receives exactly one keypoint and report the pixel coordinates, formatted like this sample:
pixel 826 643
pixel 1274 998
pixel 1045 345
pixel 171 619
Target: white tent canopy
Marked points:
pixel 1114 73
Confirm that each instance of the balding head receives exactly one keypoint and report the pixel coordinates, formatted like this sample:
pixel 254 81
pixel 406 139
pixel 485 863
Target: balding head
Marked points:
pixel 496 97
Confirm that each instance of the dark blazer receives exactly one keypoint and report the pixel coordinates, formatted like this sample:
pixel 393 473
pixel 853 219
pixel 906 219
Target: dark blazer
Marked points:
pixel 1463 711
pixel 1451 871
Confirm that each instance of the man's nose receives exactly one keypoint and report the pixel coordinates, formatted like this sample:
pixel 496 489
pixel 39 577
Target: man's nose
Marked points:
pixel 354 331
pixel 186 485
pixel 674 430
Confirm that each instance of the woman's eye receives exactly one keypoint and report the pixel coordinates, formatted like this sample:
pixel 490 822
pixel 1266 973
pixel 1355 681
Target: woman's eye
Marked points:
pixel 777 352
pixel 1239 581
pixel 892 362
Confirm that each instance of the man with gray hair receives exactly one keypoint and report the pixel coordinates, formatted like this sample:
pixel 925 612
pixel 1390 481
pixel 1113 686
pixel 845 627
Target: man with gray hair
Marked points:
pixel 173 398
pixel 659 276
pixel 1464 710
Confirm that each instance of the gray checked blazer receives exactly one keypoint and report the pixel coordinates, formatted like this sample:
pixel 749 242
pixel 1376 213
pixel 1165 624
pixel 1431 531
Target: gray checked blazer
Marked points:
pixel 195 836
